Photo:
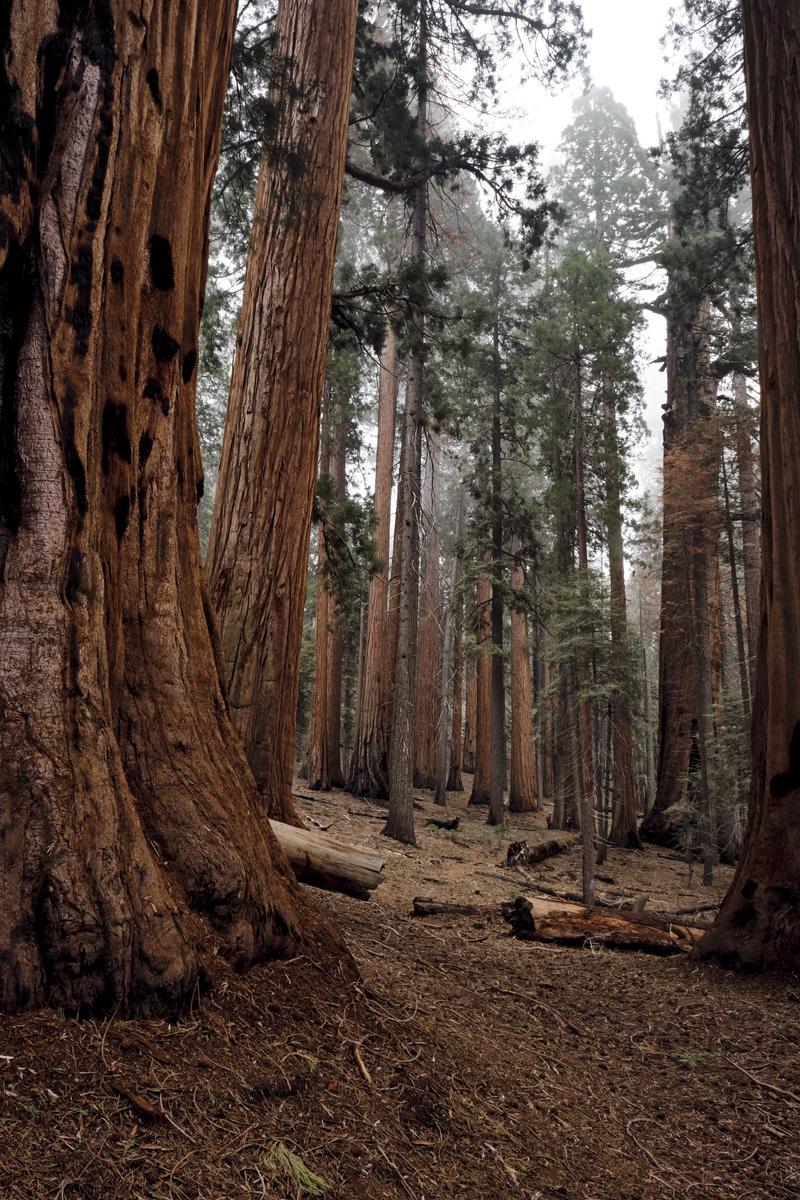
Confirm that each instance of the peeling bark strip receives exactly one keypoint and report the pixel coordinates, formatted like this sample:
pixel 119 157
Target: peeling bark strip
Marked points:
pixel 125 806
pixel 759 923
pixel 258 547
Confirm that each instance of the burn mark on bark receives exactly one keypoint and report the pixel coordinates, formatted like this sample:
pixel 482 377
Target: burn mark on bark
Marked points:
pixel 162 271
pixel 95 21
pixel 122 369
pixel 189 364
pixel 94 197
pixel 80 315
pixel 117 271
pixel 788 781
pixel 53 53
pixel 743 915
pixel 164 346
pixel 749 889
pixel 200 488
pixel 77 577
pixel 155 88
pixel 72 459
pixel 153 391
pixel 115 439
pixel 145 447
pixel 122 514
pixel 16 144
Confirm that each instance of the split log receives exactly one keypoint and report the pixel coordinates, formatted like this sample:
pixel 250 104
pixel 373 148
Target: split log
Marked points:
pixel 326 862
pixel 536 919
pixel 520 854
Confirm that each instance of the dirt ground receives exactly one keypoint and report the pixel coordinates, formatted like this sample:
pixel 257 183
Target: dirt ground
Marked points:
pixel 462 1063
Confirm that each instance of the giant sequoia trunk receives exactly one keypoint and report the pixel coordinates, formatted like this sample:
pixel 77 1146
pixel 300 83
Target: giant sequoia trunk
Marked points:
pixel 369 765
pixel 258 548
pixel 759 923
pixel 685 490
pixel 126 803
pixel 523 791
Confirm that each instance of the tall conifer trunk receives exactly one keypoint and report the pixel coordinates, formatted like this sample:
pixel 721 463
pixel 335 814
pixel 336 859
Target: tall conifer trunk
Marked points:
pixel 455 782
pixel 369 762
pixel 393 602
pixel 127 807
pixel 482 779
pixel 498 687
pixel 258 548
pixel 759 923
pixel 748 501
pixel 319 771
pixel 470 714
pixel 686 340
pixel 584 749
pixel 624 823
pixel 400 822
pixel 428 637
pixel 336 638
pixel 523 790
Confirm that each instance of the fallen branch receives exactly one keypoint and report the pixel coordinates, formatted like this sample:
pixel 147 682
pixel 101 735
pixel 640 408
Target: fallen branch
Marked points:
pixel 326 862
pixel 762 1083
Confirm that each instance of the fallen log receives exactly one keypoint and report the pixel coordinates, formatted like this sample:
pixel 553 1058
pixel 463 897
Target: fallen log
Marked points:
pixel 535 919
pixel 327 862
pixel 424 906
pixel 520 854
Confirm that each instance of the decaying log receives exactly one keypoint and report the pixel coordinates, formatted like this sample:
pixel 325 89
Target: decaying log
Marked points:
pixel 326 862
pixel 537 919
pixel 424 906
pixel 520 854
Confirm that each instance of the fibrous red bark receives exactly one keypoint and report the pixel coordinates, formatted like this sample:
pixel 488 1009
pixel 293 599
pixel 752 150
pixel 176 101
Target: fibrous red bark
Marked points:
pixel 127 808
pixel 258 547
pixel 759 922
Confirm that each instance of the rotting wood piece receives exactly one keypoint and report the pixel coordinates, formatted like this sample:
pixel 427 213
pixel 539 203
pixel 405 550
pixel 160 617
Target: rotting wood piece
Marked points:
pixel 535 919
pixel 424 906
pixel 520 854
pixel 326 862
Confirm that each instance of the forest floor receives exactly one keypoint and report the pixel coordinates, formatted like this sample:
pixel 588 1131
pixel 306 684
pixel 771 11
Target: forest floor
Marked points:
pixel 462 1063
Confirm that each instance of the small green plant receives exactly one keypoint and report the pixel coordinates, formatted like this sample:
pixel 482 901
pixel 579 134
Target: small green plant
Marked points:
pixel 696 1059
pixel 280 1159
